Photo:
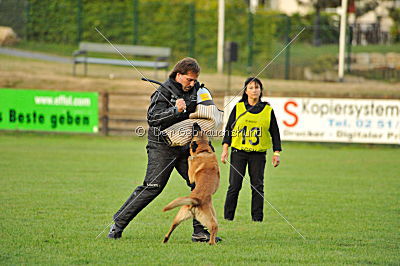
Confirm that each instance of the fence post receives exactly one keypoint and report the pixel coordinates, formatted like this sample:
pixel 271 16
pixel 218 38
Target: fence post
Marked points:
pixel 250 42
pixel 192 29
pixel 79 22
pixel 287 54
pixel 135 21
pixel 27 19
pixel 349 41
pixel 104 113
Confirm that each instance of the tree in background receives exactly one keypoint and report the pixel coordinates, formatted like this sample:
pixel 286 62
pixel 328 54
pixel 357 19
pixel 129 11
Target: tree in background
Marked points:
pixel 318 5
pixel 365 6
pixel 394 13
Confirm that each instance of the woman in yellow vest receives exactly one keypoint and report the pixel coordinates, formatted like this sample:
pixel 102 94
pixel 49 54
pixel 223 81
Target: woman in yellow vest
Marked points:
pixel 249 131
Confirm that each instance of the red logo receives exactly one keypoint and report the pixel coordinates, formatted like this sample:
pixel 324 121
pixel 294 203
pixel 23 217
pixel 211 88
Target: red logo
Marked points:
pixel 296 118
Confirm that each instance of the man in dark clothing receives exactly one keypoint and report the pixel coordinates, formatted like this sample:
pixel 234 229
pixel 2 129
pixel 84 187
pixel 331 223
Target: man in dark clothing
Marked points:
pixel 166 108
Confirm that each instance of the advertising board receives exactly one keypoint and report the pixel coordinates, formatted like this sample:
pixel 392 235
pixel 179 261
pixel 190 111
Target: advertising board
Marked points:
pixel 334 120
pixel 42 110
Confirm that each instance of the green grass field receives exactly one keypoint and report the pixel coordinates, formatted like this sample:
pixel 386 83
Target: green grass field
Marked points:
pixel 58 192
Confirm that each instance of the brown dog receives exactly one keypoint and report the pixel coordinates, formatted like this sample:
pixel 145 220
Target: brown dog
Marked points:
pixel 204 172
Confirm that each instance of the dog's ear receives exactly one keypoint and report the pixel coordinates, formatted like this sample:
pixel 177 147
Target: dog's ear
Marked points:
pixel 212 148
pixel 194 146
pixel 196 129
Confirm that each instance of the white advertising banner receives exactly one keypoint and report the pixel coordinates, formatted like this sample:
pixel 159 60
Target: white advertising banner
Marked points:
pixel 334 120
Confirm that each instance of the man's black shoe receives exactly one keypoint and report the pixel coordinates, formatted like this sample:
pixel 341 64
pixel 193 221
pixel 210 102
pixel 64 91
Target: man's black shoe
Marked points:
pixel 115 232
pixel 204 237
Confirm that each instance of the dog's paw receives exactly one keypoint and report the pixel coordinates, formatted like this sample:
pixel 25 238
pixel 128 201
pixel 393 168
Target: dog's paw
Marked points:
pixel 165 240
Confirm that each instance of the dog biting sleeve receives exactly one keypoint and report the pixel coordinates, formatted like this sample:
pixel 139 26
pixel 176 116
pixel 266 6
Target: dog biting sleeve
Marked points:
pixel 209 118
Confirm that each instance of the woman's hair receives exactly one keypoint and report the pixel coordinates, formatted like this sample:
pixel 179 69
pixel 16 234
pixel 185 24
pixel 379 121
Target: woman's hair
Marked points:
pixel 185 66
pixel 249 80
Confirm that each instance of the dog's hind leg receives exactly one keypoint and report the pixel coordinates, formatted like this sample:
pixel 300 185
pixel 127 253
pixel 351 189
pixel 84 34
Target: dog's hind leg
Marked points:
pixel 214 231
pixel 206 217
pixel 183 214
pixel 213 212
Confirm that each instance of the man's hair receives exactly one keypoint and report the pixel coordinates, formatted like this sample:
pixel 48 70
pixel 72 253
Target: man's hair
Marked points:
pixel 185 66
pixel 249 80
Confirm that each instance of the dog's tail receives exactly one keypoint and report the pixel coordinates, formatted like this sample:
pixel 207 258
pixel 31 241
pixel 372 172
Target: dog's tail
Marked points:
pixel 180 202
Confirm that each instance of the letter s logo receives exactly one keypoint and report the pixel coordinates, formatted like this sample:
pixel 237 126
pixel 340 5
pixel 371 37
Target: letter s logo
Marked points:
pixel 296 118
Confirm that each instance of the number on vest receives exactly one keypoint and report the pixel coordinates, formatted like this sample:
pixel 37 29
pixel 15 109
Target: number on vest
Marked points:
pixel 256 135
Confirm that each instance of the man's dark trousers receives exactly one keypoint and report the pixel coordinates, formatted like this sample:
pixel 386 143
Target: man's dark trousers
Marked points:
pixel 161 162
pixel 256 162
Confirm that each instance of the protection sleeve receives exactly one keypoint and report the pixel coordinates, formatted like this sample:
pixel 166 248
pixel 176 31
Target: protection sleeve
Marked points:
pixel 204 96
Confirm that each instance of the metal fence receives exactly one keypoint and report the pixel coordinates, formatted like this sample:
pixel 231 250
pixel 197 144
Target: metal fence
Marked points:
pixel 188 29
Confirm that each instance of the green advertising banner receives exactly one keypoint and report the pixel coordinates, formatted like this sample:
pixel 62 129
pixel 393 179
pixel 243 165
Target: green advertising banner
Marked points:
pixel 61 111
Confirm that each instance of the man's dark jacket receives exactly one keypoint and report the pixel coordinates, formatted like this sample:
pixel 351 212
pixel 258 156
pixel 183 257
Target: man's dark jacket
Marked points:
pixel 163 113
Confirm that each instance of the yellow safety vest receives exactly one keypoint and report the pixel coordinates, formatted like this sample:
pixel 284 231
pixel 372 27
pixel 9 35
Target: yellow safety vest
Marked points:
pixel 251 131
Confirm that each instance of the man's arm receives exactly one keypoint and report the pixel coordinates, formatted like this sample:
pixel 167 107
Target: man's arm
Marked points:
pixel 161 110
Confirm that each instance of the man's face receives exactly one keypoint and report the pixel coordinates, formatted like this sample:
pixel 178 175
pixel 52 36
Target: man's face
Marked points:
pixel 187 80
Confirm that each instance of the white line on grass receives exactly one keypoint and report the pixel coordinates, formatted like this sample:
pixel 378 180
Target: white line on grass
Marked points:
pixel 224 108
pixel 151 182
pixel 267 201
